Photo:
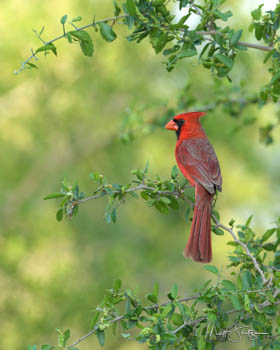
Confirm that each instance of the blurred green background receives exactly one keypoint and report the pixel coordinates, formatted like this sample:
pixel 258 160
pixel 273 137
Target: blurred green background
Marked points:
pixel 64 121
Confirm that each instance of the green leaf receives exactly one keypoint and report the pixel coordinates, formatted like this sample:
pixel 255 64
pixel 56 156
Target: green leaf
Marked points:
pixel 66 336
pixel 211 268
pixel 47 47
pixel 32 65
pixel 69 37
pixel 174 172
pixel 275 77
pixel 117 9
pixel 228 62
pixel 258 30
pixel 46 347
pixel 55 195
pixel 256 14
pixel 63 19
pixel 77 19
pixel 187 214
pixel 153 298
pixel 228 285
pixel 268 55
pixel 87 48
pixel 248 221
pixel 107 32
pixel 161 207
pixel 201 343
pixel 101 337
pixel 114 215
pixel 268 234
pixel 173 203
pixel 131 7
pixel 174 291
pixel 85 41
pixel 158 39
pixel 94 319
pixel 218 231
pixel 187 51
pixel 247 281
pixel 224 16
pixel 236 36
pixel 235 302
pixel 32 347
pixel 59 214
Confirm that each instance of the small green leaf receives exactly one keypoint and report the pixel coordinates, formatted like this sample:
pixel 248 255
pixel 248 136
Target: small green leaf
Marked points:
pixel 131 7
pixel 218 231
pixel 236 36
pixel 59 214
pixel 256 14
pixel 47 347
pixel 107 32
pixel 187 214
pixel 32 65
pixel 77 19
pixel 187 51
pixel 63 19
pixel 101 337
pixel 174 172
pixel 94 319
pixel 32 347
pixel 47 47
pixel 117 9
pixel 117 285
pixel 161 207
pixel 228 285
pixel 228 62
pixel 223 16
pixel 55 195
pixel 174 291
pixel 69 37
pixel 114 215
pixel 211 268
pixel 268 234
pixel 275 77
pixel 201 343
pixel 235 302
pixel 85 41
pixel 158 39
pixel 258 30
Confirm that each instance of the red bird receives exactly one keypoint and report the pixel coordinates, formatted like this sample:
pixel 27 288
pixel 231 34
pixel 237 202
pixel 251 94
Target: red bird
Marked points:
pixel 198 162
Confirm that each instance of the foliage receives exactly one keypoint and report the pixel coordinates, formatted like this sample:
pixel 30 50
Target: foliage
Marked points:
pixel 176 41
pixel 202 320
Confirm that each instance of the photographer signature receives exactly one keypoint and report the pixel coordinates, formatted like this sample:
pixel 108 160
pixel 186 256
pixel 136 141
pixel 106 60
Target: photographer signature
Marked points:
pixel 235 334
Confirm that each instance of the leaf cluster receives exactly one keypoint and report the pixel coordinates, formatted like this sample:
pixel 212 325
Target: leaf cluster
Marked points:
pixel 212 314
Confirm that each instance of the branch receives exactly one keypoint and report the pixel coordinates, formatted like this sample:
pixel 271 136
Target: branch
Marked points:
pixel 177 194
pixel 121 317
pixel 114 19
pixel 230 231
pixel 241 43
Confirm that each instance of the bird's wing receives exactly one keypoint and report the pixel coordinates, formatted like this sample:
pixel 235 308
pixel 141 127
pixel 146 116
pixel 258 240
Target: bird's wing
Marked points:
pixel 199 159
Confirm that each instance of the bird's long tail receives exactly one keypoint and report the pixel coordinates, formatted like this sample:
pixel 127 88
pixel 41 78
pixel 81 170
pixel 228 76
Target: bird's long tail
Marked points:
pixel 199 244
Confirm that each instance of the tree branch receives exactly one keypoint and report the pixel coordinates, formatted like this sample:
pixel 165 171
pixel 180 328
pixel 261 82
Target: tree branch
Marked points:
pixel 23 64
pixel 241 43
pixel 230 231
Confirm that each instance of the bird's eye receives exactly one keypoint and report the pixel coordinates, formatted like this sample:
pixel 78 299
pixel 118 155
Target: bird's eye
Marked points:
pixel 181 121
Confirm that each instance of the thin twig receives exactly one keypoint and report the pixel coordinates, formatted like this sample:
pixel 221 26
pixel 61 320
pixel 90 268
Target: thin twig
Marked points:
pixel 121 317
pixel 230 231
pixel 64 35
pixel 133 189
pixel 241 43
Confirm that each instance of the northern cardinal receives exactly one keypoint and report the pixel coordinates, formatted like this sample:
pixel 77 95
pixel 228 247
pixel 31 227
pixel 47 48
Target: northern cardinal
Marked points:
pixel 198 162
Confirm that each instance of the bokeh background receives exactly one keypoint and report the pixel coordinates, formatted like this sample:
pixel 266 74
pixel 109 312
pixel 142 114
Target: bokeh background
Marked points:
pixel 64 121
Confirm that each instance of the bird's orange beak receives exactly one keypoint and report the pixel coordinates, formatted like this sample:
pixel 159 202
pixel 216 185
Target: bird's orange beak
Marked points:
pixel 171 125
